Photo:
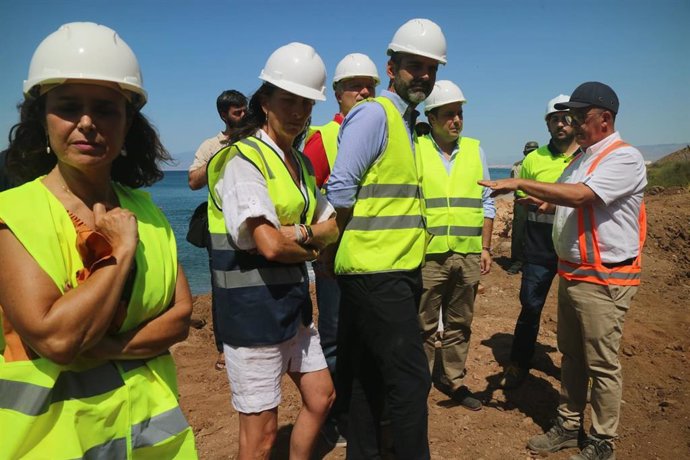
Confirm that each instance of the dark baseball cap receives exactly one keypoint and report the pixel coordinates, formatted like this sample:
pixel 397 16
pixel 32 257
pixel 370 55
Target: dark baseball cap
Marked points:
pixel 591 93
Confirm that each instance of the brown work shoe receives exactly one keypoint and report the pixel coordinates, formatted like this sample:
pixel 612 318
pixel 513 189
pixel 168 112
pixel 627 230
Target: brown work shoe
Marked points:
pixel 595 449
pixel 555 439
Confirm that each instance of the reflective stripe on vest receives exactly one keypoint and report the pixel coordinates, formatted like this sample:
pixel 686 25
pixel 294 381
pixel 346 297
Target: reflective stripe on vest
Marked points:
pixel 329 139
pixel 454 207
pixel 386 232
pixel 259 302
pixel 540 217
pixel 88 408
pixel 591 269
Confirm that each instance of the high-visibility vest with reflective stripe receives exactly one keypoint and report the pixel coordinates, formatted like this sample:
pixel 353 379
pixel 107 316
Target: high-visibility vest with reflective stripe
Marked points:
pixel 93 408
pixel 259 302
pixel 329 138
pixel 453 203
pixel 386 231
pixel 590 268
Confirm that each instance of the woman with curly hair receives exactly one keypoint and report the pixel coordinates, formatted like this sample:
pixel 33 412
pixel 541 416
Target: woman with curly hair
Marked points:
pixel 91 293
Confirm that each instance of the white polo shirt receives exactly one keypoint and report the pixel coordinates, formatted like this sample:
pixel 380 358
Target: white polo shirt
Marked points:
pixel 619 181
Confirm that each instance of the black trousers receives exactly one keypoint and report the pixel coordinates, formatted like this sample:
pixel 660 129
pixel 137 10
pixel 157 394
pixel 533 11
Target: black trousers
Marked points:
pixel 381 363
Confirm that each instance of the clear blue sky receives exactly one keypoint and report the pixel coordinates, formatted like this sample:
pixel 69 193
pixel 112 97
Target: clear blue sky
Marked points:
pixel 509 57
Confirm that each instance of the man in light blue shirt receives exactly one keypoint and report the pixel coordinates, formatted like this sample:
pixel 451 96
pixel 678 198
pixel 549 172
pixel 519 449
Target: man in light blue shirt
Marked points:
pixel 460 216
pixel 380 354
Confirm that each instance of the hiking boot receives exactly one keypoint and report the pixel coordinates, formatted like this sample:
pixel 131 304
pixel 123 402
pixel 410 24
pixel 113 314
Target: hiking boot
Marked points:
pixel 555 439
pixel 595 449
pixel 514 268
pixel 513 377
pixel 462 396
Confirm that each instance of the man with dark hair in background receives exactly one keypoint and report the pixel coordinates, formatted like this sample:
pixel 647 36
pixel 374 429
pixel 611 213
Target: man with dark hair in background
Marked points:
pixel 231 106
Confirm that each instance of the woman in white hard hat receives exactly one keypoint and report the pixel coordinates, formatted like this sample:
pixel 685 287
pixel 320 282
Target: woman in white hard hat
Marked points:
pixel 266 219
pixel 92 295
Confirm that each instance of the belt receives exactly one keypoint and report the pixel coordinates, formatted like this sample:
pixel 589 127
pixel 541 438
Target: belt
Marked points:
pixel 623 263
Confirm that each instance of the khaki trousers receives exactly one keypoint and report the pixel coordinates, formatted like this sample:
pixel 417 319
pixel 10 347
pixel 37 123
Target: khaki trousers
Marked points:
pixel 450 287
pixel 590 326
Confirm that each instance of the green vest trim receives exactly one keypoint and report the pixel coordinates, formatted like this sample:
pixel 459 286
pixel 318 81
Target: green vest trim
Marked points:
pixel 386 231
pixel 453 202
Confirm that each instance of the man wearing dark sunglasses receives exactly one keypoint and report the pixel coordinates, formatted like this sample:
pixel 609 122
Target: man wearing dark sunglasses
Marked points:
pixel 599 231
pixel 546 164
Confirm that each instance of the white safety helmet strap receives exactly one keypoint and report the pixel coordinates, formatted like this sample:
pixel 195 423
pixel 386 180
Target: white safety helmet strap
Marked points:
pixel 298 69
pixel 85 51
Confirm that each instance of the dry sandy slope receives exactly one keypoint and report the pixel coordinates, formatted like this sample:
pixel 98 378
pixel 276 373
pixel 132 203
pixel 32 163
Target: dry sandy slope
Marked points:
pixel 656 347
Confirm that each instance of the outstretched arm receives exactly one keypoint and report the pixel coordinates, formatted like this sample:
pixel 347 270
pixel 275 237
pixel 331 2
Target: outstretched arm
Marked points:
pixel 571 195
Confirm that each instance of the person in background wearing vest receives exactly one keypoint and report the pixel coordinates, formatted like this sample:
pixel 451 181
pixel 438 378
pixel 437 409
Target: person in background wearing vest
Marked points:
pixel 92 293
pixel 460 217
pixel 355 79
pixel 232 107
pixel 598 233
pixel 375 187
pixel 266 219
pixel 545 164
pixel 517 233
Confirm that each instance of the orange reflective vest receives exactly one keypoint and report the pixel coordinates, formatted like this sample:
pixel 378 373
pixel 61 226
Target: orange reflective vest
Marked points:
pixel 590 268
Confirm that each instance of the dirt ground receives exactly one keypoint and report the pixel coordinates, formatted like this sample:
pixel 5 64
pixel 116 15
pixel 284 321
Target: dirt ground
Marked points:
pixel 655 421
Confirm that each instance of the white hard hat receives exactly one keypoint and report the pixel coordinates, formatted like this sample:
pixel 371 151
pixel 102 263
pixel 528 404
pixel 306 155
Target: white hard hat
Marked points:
pixel 298 69
pixel 556 100
pixel 444 92
pixel 356 65
pixel 421 37
pixel 86 51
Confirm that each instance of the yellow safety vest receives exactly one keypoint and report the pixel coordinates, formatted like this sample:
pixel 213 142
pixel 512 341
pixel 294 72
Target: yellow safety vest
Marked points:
pixel 454 211
pixel 93 408
pixel 386 232
pixel 259 302
pixel 329 137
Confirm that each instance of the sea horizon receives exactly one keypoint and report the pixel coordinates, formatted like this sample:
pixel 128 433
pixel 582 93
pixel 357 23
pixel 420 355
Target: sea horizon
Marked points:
pixel 173 195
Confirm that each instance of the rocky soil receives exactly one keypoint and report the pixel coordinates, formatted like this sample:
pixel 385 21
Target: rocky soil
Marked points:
pixel 655 421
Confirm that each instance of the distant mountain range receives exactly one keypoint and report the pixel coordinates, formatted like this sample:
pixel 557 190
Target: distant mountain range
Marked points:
pixel 655 152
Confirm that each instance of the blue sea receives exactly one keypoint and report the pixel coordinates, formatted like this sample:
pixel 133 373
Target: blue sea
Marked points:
pixel 173 196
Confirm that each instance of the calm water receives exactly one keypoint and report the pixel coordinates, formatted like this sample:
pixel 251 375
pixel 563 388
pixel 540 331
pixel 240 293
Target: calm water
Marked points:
pixel 178 202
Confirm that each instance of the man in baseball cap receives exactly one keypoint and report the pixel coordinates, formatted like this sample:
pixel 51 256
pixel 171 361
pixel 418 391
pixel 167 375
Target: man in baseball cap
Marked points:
pixel 598 234
pixel 590 94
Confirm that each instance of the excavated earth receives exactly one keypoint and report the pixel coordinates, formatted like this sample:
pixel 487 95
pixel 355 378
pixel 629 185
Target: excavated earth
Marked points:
pixel 655 420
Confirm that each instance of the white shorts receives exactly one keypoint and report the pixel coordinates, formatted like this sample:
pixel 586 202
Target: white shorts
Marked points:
pixel 255 373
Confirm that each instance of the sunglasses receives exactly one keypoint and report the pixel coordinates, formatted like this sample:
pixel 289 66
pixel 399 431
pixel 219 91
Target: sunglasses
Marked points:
pixel 566 119
pixel 581 117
